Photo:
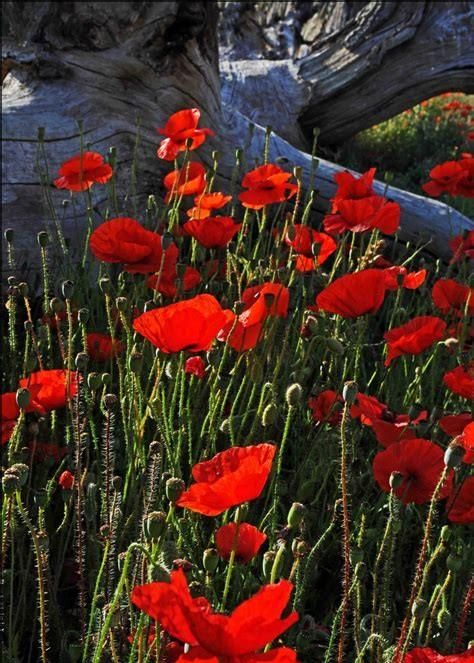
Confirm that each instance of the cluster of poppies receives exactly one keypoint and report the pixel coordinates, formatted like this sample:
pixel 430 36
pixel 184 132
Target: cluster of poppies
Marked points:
pixel 193 323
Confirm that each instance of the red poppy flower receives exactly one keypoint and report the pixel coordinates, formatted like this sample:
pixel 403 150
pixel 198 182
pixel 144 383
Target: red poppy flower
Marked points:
pixel 421 464
pixel 462 246
pixel 66 480
pixel 461 381
pixel 195 366
pixel 367 408
pixel 181 127
pixel 352 187
pixel 247 544
pixel 466 440
pixel 325 407
pixel 303 241
pixel 51 389
pixel 240 336
pixel 460 506
pixel 213 231
pixel 449 296
pixel 427 655
pixel 127 241
pixel 414 337
pixel 101 347
pixel 397 277
pixel 82 171
pixel 266 184
pixel 44 450
pixel 453 177
pixel 237 637
pixel 454 424
pixel 187 180
pixel 9 414
pixel 388 433
pixel 364 214
pixel 166 282
pixel 352 295
pixel 188 325
pixel 230 478
pixel 205 203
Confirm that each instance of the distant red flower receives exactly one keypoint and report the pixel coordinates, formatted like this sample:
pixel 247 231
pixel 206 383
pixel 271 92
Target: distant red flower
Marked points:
pixel 462 246
pixel 449 296
pixel 188 325
pixel 453 177
pixel 414 337
pixel 460 506
pixel 266 184
pixel 44 450
pixel 304 239
pixel 350 187
pixel 206 202
pixel 127 241
pixel 427 655
pixel 461 380
pixel 454 424
pixel 101 347
pixel 82 171
pixel 421 464
pixel 190 179
pixel 354 294
pixel 166 282
pixel 9 415
pixel 66 480
pixel 236 637
pixel 195 366
pixel 397 277
pixel 325 407
pixel 181 127
pixel 213 231
pixel 230 478
pixel 247 544
pixel 51 389
pixel 360 215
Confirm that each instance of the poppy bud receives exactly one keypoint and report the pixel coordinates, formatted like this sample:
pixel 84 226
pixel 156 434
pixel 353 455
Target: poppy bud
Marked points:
pixel 81 361
pixel 43 238
pixel 316 248
pixel 22 398
pixel 395 480
pixel 106 379
pixel 173 488
pixel 93 381
pixel 41 498
pixel 136 359
pixel 105 285
pixel 83 315
pixel 445 534
pixel 335 346
pixel 451 343
pixel 267 564
pixel 66 480
pixel 117 483
pixel 8 234
pixel 20 470
pixel 210 560
pixel 291 233
pixel 443 618
pixel 454 563
pixel 296 514
pixel 454 455
pixel 167 240
pixel 159 573
pixel 67 289
pixel 419 608
pixel 269 415
pixel 110 401
pixel 349 392
pixel 255 370
pixel 23 289
pixel 121 303
pixel 154 525
pixel 225 427
pixel 10 483
pixel 28 326
pixel 360 571
pixel 294 394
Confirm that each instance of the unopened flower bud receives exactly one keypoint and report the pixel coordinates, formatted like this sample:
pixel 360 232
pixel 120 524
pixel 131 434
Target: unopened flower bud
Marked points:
pixel 67 289
pixel 454 563
pixel 21 471
pixel 419 608
pixel 105 285
pixel 395 480
pixel 106 379
pixel 174 487
pixel 23 289
pixel 335 346
pixel 445 534
pixel 451 343
pixel 110 401
pixel 66 480
pixel 210 560
pixel 269 415
pixel 41 498
pixel 443 618
pixel 93 381
pixel 81 361
pixel 83 315
pixel 267 564
pixel 349 392
pixel 22 398
pixel 154 525
pixel 294 394
pixel 121 303
pixel 454 454
pixel 296 514
pixel 10 483
pixel 8 234
pixel 43 238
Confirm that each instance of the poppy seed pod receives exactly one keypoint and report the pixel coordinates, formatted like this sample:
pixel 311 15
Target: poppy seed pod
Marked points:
pixel 43 238
pixel 22 398
pixel 174 488
pixel 67 289
pixel 454 454
pixel 154 525
pixel 210 560
pixel 296 514
pixel 294 394
pixel 349 392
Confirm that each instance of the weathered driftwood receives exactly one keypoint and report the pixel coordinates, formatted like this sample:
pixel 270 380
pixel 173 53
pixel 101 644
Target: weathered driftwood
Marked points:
pixel 107 64
pixel 352 64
